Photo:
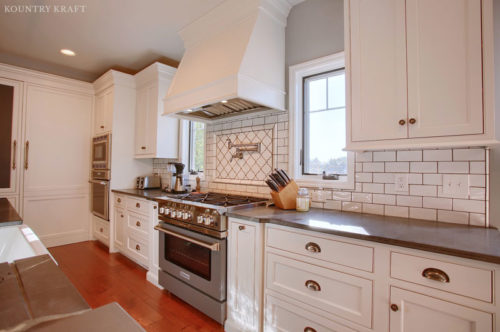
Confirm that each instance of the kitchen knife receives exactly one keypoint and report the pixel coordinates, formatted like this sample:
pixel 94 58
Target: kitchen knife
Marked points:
pixel 276 178
pixel 272 185
pixel 286 175
pixel 282 175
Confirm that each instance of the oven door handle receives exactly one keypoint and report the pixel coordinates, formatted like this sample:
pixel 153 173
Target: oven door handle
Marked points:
pixel 211 246
pixel 104 183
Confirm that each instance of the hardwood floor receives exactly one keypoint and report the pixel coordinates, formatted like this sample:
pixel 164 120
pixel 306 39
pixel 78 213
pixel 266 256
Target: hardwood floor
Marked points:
pixel 102 278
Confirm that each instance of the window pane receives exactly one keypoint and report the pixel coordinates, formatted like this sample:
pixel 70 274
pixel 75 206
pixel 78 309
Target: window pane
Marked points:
pixel 197 147
pixel 336 91
pixel 317 94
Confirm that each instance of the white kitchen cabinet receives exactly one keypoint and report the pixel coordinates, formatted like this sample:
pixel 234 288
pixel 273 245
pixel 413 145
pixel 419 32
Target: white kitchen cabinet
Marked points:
pixel 156 136
pixel 419 74
pixel 103 114
pixel 101 230
pixel 120 218
pixel 244 276
pixel 413 312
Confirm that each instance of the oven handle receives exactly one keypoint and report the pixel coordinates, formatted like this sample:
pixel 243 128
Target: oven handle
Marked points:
pixel 211 246
pixel 104 183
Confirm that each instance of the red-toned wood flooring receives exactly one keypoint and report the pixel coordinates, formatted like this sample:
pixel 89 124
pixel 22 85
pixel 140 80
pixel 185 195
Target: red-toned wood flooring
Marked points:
pixel 102 278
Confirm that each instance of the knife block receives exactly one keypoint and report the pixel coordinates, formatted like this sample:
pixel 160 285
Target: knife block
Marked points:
pixel 286 198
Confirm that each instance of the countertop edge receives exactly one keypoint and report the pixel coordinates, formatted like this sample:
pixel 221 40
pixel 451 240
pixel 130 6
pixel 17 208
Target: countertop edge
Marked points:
pixel 125 192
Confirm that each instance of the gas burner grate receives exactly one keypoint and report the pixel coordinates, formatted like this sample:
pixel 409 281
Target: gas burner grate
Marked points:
pixel 221 199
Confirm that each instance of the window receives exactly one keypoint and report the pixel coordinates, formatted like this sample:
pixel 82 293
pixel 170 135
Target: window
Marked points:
pixel 196 158
pixel 323 119
pixel 318 124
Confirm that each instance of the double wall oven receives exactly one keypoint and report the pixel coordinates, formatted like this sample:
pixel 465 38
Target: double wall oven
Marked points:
pixel 100 175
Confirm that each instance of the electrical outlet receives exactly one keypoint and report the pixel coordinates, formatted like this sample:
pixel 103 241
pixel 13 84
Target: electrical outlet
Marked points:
pixel 456 185
pixel 401 182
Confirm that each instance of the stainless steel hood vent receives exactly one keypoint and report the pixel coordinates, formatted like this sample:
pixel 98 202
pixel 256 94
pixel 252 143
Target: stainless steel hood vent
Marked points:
pixel 235 53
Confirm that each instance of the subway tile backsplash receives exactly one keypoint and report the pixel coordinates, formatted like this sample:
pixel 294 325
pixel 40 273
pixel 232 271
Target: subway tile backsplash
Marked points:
pixel 375 173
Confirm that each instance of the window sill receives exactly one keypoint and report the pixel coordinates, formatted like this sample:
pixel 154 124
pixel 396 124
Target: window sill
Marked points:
pixel 325 184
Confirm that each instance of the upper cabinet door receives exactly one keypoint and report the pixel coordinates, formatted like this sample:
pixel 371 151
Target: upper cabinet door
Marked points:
pixel 444 67
pixel 103 113
pixel 378 69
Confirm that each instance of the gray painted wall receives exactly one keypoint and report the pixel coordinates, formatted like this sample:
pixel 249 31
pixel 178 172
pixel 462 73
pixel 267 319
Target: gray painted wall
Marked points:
pixel 495 153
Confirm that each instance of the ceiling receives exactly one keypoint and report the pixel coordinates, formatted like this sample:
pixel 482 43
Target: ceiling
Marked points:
pixel 127 35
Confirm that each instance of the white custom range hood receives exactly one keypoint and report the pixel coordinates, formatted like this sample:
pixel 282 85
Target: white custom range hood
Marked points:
pixel 234 61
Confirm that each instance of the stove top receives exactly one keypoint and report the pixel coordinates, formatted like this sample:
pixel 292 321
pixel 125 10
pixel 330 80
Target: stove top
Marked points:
pixel 221 199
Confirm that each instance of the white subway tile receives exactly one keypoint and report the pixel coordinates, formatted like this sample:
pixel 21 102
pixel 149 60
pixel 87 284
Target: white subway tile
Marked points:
pixel 425 214
pixel 467 205
pixel 373 167
pixel 318 205
pixel 438 203
pixel 341 195
pixel 358 187
pixel 423 167
pixel 359 167
pixel 351 207
pixel 477 180
pixel 469 154
pixel 423 190
pixel 383 177
pixel 397 167
pixel 384 199
pixel 373 187
pixel 415 201
pixel 436 179
pixel 333 205
pixel 414 178
pixel 477 219
pixel 477 167
pixel 396 211
pixel 363 156
pixel 453 217
pixel 390 188
pixel 437 155
pixel 363 177
pixel 477 193
pixel 453 167
pixel 384 156
pixel 373 208
pixel 362 197
pixel 410 155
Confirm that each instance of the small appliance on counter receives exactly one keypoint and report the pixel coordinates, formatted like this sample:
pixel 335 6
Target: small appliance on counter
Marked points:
pixel 178 187
pixel 148 182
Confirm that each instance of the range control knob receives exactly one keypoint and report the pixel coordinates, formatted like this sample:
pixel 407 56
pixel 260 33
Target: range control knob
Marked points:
pixel 199 219
pixel 161 210
pixel 209 221
pixel 185 215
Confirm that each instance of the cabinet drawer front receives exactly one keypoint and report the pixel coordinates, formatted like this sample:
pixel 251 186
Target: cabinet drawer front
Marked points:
pixel 138 223
pixel 282 316
pixel 138 205
pixel 351 255
pixel 101 229
pixel 463 280
pixel 119 201
pixel 138 249
pixel 341 294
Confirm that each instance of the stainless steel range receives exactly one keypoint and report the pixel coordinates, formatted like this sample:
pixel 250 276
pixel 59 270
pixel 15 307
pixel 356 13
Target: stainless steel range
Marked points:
pixel 193 256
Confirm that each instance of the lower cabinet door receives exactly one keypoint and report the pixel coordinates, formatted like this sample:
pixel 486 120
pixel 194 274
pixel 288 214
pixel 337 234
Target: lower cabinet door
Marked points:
pixel 137 249
pixel 413 312
pixel 120 224
pixel 282 316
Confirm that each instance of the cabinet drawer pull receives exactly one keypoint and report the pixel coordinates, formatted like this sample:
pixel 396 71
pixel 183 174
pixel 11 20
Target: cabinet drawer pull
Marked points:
pixel 435 274
pixel 14 148
pixel 138 224
pixel 137 247
pixel 26 154
pixel 121 215
pixel 137 205
pixel 143 147
pixel 101 230
pixel 119 200
pixel 313 247
pixel 309 329
pixel 394 307
pixel 402 122
pixel 412 121
pixel 241 228
pixel 313 285
pixel 102 127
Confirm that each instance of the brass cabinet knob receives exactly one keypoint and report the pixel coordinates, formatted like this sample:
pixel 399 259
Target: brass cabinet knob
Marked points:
pixel 313 247
pixel 119 200
pixel 138 224
pixel 121 215
pixel 143 147
pixel 313 285
pixel 137 247
pixel 137 205
pixel 154 207
pixel 102 127
pixel 394 307
pixel 241 228
pixel 435 274
pixel 402 122
pixel 101 230
pixel 309 329
pixel 412 121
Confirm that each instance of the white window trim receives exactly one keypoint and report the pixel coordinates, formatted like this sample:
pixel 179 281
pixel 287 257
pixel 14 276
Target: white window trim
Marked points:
pixel 184 149
pixel 296 75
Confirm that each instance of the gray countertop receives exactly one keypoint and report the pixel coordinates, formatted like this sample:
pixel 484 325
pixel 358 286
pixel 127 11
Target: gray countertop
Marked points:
pixel 150 194
pixel 8 215
pixel 451 239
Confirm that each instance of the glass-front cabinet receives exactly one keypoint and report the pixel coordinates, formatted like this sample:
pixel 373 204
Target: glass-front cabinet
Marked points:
pixel 10 144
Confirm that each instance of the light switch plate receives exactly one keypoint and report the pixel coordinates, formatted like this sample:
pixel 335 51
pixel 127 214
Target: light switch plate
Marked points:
pixel 456 185
pixel 401 182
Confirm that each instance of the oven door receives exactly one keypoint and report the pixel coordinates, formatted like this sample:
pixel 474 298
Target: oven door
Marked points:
pixel 196 259
pixel 100 198
pixel 100 153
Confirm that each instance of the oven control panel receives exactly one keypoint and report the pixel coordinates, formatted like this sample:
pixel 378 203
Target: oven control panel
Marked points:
pixel 209 218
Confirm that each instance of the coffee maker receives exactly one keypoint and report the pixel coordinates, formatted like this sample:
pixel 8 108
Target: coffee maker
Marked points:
pixel 178 187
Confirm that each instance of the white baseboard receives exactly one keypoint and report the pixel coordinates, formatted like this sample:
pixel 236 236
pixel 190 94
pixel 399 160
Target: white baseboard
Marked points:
pixel 59 239
pixel 231 326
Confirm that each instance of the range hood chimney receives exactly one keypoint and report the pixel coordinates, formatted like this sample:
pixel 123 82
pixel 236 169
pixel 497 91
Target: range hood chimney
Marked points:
pixel 234 62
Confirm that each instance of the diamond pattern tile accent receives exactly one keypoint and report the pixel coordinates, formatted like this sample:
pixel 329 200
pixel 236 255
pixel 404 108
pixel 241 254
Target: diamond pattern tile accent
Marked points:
pixel 254 165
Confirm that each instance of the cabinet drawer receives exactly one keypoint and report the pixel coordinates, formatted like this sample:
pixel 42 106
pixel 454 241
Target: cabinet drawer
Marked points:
pixel 138 223
pixel 283 316
pixel 138 249
pixel 119 201
pixel 101 229
pixel 138 205
pixel 459 279
pixel 341 294
pixel 343 253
